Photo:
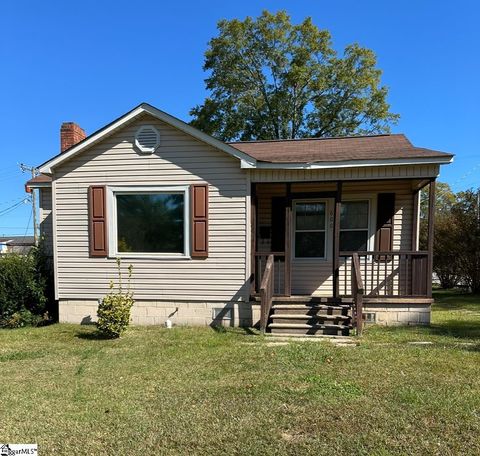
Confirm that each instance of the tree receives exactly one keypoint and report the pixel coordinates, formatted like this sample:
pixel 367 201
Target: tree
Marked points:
pixel 467 217
pixel 445 254
pixel 270 79
pixel 456 248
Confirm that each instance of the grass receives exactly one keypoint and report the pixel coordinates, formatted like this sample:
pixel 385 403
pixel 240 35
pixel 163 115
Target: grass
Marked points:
pixel 200 391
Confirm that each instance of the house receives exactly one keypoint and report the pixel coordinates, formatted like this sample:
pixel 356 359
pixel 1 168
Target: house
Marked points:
pixel 304 235
pixel 16 244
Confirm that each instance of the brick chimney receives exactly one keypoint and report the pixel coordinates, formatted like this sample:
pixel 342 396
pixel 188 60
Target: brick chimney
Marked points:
pixel 70 134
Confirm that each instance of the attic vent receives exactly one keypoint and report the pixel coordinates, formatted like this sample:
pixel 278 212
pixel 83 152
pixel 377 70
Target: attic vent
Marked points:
pixel 147 139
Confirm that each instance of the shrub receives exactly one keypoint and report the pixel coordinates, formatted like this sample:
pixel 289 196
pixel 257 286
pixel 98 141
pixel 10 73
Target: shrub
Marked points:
pixel 114 309
pixel 44 272
pixel 20 287
pixel 24 318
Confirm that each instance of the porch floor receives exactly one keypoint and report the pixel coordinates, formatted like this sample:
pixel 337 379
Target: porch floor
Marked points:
pixel 301 299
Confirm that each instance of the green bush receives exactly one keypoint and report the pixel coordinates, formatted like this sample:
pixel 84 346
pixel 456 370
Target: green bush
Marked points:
pixel 24 318
pixel 114 309
pixel 21 288
pixel 43 259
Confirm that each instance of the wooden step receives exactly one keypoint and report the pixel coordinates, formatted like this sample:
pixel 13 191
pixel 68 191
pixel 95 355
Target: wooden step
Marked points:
pixel 301 309
pixel 310 319
pixel 307 300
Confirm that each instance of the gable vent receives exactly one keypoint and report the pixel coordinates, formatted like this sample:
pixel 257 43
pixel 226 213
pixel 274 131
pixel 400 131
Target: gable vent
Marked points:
pixel 147 139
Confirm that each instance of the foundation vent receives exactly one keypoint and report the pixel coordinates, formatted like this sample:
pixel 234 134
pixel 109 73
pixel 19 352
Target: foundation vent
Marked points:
pixel 222 313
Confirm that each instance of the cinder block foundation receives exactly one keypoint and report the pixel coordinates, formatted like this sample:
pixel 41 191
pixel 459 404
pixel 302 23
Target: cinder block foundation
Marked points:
pixel 243 313
pixel 400 314
pixel 157 312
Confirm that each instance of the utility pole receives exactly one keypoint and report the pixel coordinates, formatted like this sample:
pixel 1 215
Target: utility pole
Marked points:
pixel 478 205
pixel 34 172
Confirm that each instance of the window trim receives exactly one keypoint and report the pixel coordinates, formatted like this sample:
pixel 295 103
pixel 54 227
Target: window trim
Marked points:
pixel 135 190
pixel 326 230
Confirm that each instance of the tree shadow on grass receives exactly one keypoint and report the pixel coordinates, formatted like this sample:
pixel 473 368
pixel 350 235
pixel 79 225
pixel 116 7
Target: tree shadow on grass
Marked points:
pixel 92 335
pixel 456 300
pixel 467 326
pixel 456 329
pixel 245 331
pixel 459 329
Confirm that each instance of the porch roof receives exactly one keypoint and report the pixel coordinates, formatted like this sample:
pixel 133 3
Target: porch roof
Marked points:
pixel 42 180
pixel 340 149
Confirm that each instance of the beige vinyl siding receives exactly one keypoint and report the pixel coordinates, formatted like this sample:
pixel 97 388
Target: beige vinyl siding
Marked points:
pixel 45 218
pixel 314 276
pixel 363 173
pixel 180 160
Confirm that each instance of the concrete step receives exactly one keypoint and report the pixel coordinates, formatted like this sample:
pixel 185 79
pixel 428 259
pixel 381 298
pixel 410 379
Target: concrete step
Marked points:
pixel 304 328
pixel 313 337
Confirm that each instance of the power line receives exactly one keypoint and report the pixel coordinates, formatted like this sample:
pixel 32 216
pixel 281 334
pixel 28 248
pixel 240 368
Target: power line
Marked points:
pixel 28 224
pixel 13 207
pixel 11 201
pixel 468 173
pixel 34 172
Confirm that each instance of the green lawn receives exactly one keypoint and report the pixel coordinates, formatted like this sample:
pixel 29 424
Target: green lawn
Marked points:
pixel 200 391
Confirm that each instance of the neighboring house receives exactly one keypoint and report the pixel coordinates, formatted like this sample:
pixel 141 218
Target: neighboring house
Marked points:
pixel 16 244
pixel 198 219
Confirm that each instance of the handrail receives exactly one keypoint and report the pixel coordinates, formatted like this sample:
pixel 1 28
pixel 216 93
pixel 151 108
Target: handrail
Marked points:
pixel 357 292
pixel 280 277
pixel 386 252
pixel 269 253
pixel 266 293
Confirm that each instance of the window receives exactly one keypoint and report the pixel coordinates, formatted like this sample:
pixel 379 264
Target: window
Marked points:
pixel 310 229
pixel 151 222
pixel 354 226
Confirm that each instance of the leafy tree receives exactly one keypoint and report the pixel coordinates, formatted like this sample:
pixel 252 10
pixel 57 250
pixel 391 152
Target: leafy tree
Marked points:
pixel 271 79
pixel 467 218
pixel 445 254
pixel 456 248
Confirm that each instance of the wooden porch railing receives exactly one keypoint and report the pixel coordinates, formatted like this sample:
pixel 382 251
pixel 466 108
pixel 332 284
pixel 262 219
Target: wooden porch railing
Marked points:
pixel 266 293
pixel 280 277
pixel 357 294
pixel 386 274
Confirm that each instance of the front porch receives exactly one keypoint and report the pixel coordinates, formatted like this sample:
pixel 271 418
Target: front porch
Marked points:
pixel 342 243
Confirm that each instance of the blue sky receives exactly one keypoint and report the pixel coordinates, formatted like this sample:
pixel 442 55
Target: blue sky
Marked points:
pixel 91 61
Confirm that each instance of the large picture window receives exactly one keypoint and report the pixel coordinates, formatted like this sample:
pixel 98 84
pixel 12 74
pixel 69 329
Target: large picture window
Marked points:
pixel 354 226
pixel 310 229
pixel 151 222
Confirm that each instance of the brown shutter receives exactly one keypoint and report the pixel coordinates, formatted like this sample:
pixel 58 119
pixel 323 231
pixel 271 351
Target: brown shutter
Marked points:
pixel 199 208
pixel 97 213
pixel 385 214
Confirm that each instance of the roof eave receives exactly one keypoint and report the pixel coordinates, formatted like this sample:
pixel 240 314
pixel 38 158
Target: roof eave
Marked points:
pixel 358 163
pixel 39 185
pixel 246 160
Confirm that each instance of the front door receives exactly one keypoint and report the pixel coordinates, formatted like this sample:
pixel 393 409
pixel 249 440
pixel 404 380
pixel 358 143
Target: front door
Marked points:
pixel 311 251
